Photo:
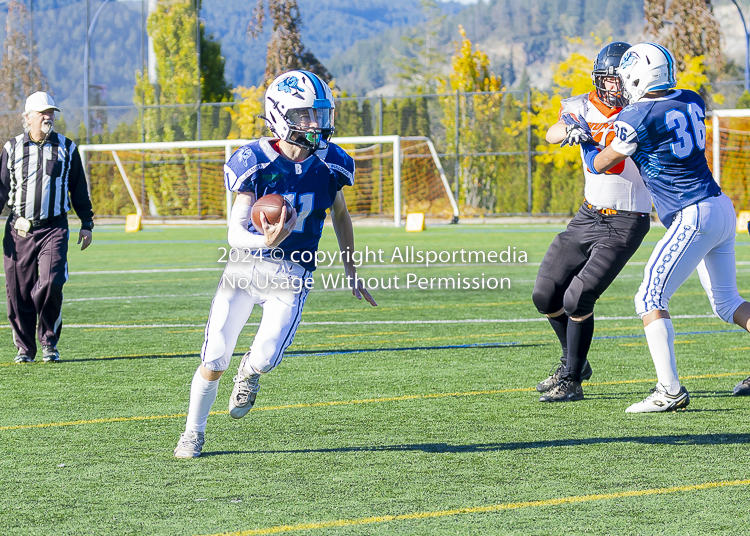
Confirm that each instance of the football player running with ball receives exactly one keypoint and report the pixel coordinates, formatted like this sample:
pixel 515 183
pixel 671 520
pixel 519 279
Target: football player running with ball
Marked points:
pixel 304 167
pixel 583 260
pixel 663 132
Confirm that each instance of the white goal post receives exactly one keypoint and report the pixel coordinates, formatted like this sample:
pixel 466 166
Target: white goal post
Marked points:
pixel 231 145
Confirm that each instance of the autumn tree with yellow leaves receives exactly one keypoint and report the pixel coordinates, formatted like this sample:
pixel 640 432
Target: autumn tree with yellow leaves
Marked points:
pixel 485 125
pixel 557 182
pixel 172 28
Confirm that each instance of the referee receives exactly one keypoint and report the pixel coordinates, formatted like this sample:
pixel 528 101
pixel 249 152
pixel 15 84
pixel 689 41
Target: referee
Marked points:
pixel 37 171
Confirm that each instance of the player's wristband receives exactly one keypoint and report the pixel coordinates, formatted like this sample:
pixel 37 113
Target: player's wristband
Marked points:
pixel 589 154
pixel 87 226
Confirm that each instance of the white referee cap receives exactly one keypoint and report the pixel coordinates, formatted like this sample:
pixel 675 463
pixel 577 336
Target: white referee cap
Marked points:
pixel 40 102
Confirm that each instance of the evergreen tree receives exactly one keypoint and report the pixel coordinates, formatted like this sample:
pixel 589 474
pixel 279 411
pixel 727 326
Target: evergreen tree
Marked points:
pixel 172 27
pixel 420 66
pixel 509 74
pixel 285 51
pixel 20 74
pixel 687 28
pixel 353 116
pixel 406 117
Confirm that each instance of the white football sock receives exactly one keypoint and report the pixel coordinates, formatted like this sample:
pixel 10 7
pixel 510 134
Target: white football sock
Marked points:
pixel 202 397
pixel 660 338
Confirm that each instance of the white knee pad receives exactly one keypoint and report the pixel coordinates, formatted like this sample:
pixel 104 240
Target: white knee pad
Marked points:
pixel 214 354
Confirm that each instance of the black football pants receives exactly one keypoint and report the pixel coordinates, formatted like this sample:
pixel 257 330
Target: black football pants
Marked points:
pixel 579 266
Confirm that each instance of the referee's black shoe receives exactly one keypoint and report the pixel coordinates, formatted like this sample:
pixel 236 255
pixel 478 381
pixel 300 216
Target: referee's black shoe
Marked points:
pixel 563 391
pixel 554 377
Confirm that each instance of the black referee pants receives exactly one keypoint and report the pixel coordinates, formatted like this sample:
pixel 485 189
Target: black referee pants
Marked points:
pixel 36 268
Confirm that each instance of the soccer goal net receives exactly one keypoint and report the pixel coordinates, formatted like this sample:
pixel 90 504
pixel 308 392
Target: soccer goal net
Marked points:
pixel 729 156
pixel 397 175
pixel 177 180
pixel 185 180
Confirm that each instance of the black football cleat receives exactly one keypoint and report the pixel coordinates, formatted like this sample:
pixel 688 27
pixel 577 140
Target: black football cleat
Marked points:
pixel 554 377
pixel 563 391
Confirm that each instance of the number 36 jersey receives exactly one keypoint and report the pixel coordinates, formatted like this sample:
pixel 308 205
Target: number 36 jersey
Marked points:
pixel 310 186
pixel 666 138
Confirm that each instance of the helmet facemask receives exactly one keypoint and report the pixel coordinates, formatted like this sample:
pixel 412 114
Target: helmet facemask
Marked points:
pixel 606 69
pixel 614 98
pixel 309 128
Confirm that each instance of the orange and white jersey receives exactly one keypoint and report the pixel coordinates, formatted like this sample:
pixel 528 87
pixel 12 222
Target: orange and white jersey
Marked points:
pixel 620 188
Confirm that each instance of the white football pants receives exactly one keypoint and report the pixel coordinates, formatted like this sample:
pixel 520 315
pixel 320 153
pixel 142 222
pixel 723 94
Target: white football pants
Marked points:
pixel 278 287
pixel 701 236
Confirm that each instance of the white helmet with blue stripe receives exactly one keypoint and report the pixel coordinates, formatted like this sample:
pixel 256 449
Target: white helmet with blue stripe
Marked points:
pixel 646 67
pixel 299 109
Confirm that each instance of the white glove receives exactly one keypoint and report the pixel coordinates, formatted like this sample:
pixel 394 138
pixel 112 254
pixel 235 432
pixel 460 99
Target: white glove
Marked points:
pixel 576 135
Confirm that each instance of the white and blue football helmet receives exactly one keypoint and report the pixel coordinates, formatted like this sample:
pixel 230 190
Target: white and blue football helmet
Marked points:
pixel 299 109
pixel 646 67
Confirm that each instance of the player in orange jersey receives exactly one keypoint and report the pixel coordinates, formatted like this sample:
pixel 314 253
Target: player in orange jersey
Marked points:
pixel 583 260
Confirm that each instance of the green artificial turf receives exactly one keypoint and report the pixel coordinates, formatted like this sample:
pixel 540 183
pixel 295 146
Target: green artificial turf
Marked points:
pixel 374 412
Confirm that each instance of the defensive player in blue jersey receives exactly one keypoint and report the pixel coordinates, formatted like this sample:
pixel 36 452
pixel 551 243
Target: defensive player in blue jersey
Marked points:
pixel 663 131
pixel 273 269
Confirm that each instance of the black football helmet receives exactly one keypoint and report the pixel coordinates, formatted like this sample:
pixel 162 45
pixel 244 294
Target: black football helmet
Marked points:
pixel 605 66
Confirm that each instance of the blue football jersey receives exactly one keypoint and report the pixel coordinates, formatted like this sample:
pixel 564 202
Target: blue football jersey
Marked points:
pixel 310 186
pixel 666 138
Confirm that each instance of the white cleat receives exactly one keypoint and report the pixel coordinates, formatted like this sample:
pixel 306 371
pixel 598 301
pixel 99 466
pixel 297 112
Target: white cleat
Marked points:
pixel 245 390
pixel 659 401
pixel 243 395
pixel 190 445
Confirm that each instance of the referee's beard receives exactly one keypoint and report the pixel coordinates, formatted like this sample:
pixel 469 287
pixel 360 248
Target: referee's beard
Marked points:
pixel 47 126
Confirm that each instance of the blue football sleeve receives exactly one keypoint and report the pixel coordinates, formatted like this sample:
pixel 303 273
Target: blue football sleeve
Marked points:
pixel 626 131
pixel 589 154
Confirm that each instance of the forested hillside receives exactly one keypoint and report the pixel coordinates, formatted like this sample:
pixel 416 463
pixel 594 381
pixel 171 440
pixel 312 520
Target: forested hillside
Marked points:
pixel 331 26
pixel 358 40
pixel 535 31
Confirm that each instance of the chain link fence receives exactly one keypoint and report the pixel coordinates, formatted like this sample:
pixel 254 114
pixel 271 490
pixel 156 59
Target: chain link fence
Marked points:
pixel 487 143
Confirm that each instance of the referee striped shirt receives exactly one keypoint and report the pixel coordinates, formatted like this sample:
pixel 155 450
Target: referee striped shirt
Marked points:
pixel 36 179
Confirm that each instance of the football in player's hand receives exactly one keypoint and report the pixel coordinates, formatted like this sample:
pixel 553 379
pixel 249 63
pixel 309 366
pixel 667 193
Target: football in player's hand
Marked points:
pixel 271 206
